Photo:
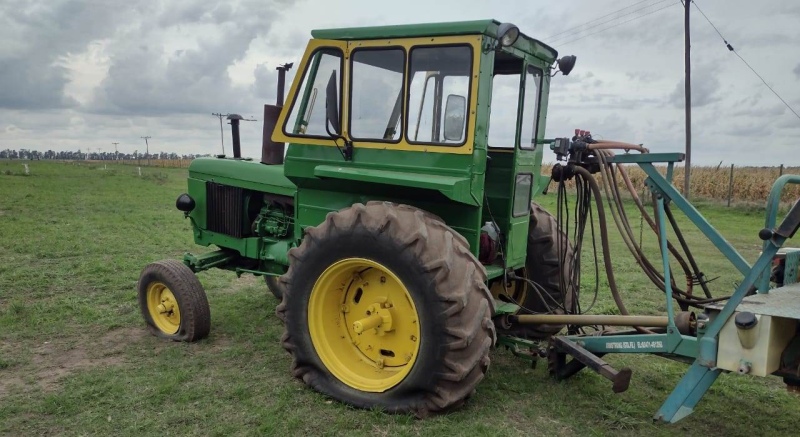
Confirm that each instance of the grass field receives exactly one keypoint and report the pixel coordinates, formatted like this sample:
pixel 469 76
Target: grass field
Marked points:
pixel 75 357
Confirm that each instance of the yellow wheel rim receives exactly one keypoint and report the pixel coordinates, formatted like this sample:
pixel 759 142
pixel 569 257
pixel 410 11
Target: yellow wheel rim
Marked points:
pixel 516 290
pixel 163 308
pixel 363 324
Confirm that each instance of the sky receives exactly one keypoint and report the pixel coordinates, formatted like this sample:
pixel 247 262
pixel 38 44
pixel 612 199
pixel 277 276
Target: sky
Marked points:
pixel 85 74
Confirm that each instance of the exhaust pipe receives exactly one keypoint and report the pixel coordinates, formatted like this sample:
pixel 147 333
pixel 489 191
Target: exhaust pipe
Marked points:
pixel 271 151
pixel 237 148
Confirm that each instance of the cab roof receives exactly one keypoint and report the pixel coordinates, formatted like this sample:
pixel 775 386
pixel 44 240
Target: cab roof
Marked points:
pixel 477 27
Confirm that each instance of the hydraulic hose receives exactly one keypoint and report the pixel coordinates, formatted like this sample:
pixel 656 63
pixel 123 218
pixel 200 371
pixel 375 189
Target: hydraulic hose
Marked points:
pixel 601 217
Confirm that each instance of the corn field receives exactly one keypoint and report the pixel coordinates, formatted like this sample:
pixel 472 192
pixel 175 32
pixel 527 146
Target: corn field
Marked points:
pixel 749 184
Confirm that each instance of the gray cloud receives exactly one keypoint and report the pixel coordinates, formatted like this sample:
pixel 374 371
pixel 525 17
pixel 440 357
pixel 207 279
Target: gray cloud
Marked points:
pixel 145 78
pixel 36 36
pixel 705 91
pixel 85 73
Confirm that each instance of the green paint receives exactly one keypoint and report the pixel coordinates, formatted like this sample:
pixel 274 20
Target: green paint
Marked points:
pixel 240 173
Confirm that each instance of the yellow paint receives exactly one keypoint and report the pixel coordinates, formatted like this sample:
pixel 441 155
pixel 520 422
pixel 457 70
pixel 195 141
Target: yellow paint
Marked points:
pixel 364 325
pixel 346 47
pixel 163 308
pixel 517 291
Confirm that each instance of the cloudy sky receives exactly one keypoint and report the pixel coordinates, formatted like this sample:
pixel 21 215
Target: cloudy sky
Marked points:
pixel 83 74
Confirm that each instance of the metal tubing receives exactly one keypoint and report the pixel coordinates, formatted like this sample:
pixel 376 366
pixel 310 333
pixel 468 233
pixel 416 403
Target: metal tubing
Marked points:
pixel 773 202
pixel 620 378
pixel 592 319
pixel 695 217
pixel 662 240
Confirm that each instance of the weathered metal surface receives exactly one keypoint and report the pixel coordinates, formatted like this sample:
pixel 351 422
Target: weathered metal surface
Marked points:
pixel 779 302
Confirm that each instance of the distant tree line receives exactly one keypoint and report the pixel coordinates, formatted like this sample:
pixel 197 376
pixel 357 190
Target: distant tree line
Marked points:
pixel 92 156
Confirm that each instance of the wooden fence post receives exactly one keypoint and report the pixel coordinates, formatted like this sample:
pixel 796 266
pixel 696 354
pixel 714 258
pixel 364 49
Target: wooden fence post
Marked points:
pixel 730 186
pixel 781 171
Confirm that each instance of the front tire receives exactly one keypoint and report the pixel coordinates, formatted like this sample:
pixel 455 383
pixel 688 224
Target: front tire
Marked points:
pixel 386 307
pixel 173 302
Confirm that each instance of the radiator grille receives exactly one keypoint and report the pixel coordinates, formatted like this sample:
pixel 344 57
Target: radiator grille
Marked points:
pixel 225 209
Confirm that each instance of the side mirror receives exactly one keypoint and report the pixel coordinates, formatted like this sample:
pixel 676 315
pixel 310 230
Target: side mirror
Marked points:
pixel 332 106
pixel 455 112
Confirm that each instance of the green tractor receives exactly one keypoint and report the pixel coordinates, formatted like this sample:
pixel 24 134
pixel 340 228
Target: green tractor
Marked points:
pixel 399 220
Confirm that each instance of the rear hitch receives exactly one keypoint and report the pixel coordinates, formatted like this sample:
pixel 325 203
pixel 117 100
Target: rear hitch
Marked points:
pixel 561 369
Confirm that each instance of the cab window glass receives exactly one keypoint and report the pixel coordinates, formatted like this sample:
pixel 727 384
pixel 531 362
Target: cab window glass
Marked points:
pixel 307 117
pixel 530 111
pixel 503 110
pixel 376 93
pixel 436 73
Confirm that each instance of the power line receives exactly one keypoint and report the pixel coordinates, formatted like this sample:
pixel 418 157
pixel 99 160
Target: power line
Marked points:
pixel 618 24
pixel 730 48
pixel 600 18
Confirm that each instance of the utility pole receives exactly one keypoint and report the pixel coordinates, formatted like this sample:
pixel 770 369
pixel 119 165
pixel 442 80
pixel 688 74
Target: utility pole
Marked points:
pixel 687 167
pixel 116 154
pixel 147 150
pixel 221 134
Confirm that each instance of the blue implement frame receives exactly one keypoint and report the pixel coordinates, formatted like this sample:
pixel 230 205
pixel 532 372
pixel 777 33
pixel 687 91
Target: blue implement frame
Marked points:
pixel 703 349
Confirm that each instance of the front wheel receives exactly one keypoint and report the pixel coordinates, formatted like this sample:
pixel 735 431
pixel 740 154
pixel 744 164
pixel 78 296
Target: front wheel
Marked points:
pixel 173 302
pixel 386 307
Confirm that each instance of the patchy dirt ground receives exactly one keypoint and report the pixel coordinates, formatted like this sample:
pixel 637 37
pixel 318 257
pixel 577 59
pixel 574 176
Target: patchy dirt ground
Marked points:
pixel 51 361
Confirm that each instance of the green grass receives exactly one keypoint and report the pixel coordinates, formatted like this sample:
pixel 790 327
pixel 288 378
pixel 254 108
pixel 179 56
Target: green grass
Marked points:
pixel 75 357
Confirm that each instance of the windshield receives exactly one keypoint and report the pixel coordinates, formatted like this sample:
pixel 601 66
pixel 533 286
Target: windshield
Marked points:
pixel 307 116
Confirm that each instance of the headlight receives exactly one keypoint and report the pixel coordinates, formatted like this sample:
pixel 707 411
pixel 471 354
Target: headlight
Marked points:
pixel 507 33
pixel 185 203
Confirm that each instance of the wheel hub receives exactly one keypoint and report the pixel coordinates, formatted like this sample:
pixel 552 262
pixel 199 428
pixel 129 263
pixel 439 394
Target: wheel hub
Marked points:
pixel 372 342
pixel 515 291
pixel 163 308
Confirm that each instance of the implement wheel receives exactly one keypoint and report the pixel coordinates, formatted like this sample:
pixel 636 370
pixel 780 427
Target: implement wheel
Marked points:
pixel 386 307
pixel 274 286
pixel 549 264
pixel 173 302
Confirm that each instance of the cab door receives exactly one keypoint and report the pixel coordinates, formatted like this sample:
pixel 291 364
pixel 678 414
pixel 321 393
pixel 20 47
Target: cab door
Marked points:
pixel 527 161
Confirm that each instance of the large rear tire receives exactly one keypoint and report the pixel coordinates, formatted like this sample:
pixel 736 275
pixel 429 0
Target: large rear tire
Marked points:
pixel 274 286
pixel 386 307
pixel 547 266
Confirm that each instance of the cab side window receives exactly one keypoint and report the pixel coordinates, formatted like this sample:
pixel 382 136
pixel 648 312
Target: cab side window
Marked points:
pixel 376 93
pixel 438 75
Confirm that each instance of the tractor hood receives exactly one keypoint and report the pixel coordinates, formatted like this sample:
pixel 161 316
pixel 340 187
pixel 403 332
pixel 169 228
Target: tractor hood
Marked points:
pixel 241 173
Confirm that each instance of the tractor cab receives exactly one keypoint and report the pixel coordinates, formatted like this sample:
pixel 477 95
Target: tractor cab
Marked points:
pixel 448 117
